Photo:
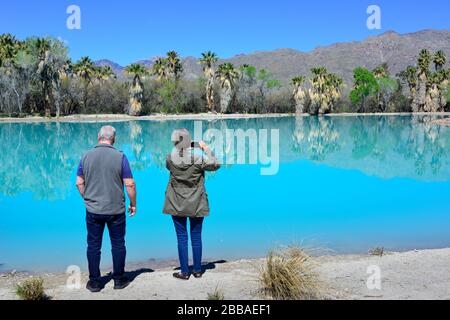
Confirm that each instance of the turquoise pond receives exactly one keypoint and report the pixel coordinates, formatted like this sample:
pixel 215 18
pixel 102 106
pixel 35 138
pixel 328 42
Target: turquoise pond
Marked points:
pixel 344 184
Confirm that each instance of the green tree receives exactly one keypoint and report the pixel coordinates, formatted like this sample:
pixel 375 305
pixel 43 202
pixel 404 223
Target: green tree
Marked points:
pixel 265 83
pixel 387 86
pixel 364 86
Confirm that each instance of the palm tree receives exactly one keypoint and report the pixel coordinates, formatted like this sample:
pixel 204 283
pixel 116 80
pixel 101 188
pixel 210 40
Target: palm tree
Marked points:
pixel 174 64
pixel 160 69
pixel 44 72
pixel 381 71
pixel 49 60
pixel 433 98
pixel 299 94
pixel 105 73
pixel 333 85
pixel 427 88
pixel 439 83
pixel 423 63
pixel 439 60
pixel 444 87
pixel 64 72
pixel 85 69
pixel 318 80
pixel 208 59
pixel 137 71
pixel 409 77
pixel 9 47
pixel 316 93
pixel 227 75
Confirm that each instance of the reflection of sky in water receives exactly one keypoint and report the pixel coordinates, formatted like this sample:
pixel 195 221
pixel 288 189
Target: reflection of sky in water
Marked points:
pixel 345 183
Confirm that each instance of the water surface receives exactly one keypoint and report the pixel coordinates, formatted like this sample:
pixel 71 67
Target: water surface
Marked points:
pixel 344 183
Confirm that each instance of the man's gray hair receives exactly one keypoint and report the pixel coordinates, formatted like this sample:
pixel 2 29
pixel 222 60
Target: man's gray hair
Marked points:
pixel 107 133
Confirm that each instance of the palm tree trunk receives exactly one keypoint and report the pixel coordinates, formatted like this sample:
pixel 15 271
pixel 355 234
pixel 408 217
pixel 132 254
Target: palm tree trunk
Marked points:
pixel 210 94
pixel 363 105
pixel 85 97
pixel 46 102
pixel 225 99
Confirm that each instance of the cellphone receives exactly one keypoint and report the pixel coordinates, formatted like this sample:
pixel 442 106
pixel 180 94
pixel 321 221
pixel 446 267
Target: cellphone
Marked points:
pixel 195 144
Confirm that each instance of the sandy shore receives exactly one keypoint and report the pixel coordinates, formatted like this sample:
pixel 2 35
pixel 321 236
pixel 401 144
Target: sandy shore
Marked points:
pixel 201 116
pixel 423 274
pixel 153 117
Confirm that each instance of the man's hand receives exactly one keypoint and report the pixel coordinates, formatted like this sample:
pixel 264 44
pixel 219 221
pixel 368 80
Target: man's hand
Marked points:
pixel 80 186
pixel 131 210
pixel 131 190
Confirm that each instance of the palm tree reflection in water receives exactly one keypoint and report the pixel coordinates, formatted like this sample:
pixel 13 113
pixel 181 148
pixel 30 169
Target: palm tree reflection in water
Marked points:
pixel 41 158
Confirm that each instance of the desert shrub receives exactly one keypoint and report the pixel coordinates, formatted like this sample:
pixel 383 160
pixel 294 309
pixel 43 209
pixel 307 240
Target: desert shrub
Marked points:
pixel 217 294
pixel 377 251
pixel 31 289
pixel 288 274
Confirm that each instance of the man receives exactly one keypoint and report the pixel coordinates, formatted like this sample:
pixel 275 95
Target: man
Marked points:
pixel 101 176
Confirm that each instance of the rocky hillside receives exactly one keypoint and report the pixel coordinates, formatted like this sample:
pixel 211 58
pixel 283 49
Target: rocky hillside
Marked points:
pixel 398 50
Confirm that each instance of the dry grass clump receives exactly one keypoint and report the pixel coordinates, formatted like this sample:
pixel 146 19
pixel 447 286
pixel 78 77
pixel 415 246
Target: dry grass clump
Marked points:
pixel 31 289
pixel 288 274
pixel 216 295
pixel 377 251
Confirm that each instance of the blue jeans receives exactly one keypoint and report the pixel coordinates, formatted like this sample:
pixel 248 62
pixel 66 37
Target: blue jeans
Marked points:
pixel 196 240
pixel 95 226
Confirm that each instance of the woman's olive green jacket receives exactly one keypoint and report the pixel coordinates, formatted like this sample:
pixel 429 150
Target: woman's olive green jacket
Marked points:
pixel 186 194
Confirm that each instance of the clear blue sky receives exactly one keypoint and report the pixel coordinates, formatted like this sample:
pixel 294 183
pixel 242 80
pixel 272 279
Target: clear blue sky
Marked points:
pixel 126 31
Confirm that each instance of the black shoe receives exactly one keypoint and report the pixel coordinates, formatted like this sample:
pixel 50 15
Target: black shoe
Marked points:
pixel 94 286
pixel 181 276
pixel 198 274
pixel 121 283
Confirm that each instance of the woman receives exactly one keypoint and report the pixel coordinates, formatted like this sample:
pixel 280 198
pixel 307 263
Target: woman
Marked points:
pixel 186 197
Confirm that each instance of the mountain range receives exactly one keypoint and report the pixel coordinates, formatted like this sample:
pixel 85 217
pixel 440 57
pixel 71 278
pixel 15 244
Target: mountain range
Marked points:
pixel 397 50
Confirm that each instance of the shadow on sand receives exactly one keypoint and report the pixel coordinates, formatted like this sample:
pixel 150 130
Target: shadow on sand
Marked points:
pixel 205 265
pixel 130 275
